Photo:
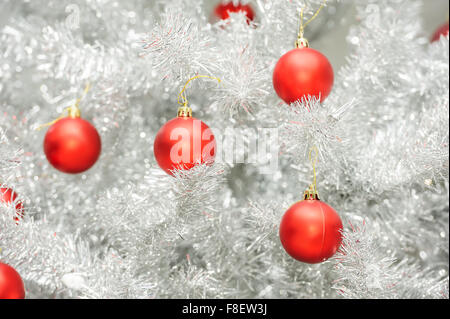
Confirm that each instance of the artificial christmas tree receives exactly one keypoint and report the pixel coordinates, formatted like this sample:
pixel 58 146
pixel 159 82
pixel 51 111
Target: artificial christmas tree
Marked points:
pixel 126 229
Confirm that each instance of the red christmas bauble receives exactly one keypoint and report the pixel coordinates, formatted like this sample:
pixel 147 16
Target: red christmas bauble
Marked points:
pixel 303 72
pixel 11 284
pixel 72 145
pixel 222 10
pixel 182 143
pixel 8 196
pixel 310 231
pixel 441 31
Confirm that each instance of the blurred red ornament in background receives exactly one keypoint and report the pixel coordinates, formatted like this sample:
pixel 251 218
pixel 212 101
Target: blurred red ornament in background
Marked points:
pixel 441 31
pixel 11 284
pixel 8 196
pixel 222 10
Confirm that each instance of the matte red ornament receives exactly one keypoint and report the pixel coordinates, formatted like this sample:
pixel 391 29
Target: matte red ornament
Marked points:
pixel 182 143
pixel 11 284
pixel 72 145
pixel 8 196
pixel 222 10
pixel 303 72
pixel 441 31
pixel 310 231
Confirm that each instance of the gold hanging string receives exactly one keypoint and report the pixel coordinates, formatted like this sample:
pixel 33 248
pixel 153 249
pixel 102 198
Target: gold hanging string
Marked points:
pixel 314 161
pixel 182 99
pixel 72 111
pixel 304 25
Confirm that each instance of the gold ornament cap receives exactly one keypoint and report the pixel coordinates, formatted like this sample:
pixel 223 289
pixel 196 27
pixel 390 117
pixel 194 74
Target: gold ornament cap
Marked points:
pixel 301 42
pixel 74 112
pixel 311 193
pixel 184 111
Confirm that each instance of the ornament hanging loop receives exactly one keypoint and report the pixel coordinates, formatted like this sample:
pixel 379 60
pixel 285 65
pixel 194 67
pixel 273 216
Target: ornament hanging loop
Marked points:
pixel 301 41
pixel 185 110
pixel 311 192
pixel 72 111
